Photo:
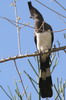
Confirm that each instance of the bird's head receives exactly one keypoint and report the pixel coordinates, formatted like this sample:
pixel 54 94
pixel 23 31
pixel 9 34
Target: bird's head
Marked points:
pixel 35 14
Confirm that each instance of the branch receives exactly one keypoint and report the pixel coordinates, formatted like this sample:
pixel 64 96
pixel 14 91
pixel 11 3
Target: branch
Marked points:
pixel 20 78
pixel 31 78
pixel 60 5
pixel 18 28
pixel 5 92
pixel 57 92
pixel 33 68
pixel 50 9
pixel 27 24
pixel 32 81
pixel 14 22
pixel 34 54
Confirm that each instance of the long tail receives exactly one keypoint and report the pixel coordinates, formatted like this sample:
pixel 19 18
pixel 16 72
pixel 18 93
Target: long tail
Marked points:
pixel 45 81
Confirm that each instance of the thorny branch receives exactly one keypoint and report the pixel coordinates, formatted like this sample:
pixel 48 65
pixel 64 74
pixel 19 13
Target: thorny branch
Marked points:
pixel 34 54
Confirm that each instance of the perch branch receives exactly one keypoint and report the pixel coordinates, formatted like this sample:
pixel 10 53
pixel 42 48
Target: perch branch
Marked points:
pixel 34 54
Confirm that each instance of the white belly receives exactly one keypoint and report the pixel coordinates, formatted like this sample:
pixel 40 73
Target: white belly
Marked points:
pixel 43 42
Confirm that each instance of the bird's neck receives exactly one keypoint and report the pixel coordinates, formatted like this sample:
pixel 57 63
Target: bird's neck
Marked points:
pixel 39 25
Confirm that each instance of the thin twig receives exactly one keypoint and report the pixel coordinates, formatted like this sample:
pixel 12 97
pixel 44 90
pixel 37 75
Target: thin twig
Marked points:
pixel 57 84
pixel 64 91
pixel 14 23
pixel 20 78
pixel 59 5
pixel 18 28
pixel 10 92
pixel 34 86
pixel 32 82
pixel 57 92
pixel 51 9
pixel 38 62
pixel 18 92
pixel 32 55
pixel 56 62
pixel 33 68
pixel 5 92
pixel 25 90
pixel 30 78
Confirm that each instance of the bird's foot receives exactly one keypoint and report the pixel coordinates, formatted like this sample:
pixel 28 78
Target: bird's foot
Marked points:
pixel 38 51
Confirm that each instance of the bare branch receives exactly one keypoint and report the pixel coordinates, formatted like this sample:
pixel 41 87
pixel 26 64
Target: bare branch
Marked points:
pixel 60 5
pixel 14 22
pixel 18 28
pixel 5 92
pixel 51 9
pixel 18 92
pixel 33 68
pixel 20 78
pixel 34 54
pixel 32 81
pixel 57 92
pixel 27 24
pixel 31 78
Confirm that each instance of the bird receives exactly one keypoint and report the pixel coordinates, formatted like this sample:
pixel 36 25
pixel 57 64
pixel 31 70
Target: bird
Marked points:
pixel 43 37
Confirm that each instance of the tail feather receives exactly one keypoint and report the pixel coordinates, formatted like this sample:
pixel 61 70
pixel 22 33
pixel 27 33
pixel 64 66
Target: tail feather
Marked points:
pixel 45 81
pixel 45 88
